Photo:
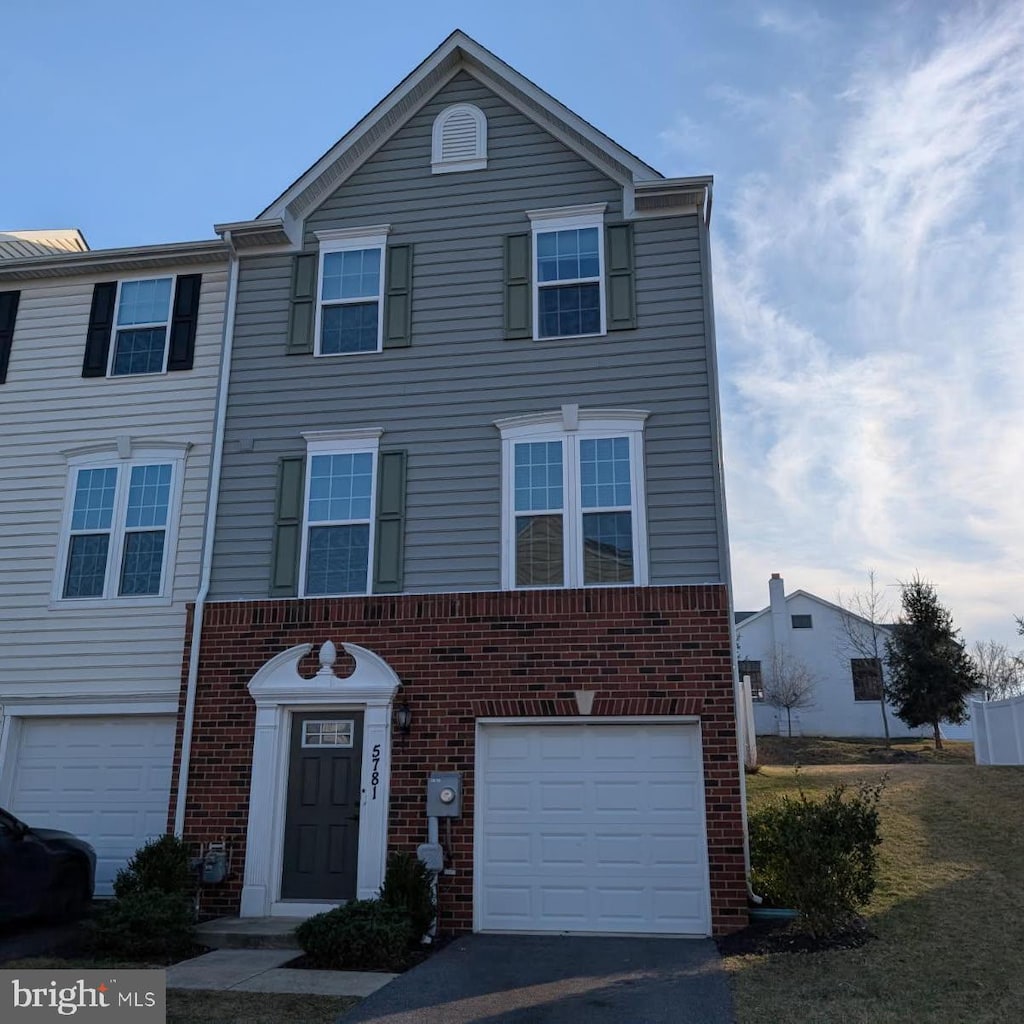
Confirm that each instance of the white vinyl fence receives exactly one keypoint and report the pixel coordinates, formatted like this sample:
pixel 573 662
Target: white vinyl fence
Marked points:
pixel 998 731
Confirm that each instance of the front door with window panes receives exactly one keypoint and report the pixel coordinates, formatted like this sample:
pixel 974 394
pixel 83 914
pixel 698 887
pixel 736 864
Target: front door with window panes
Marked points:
pixel 321 832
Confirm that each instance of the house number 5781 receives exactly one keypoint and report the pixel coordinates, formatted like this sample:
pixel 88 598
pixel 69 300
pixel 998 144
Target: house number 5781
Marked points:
pixel 375 777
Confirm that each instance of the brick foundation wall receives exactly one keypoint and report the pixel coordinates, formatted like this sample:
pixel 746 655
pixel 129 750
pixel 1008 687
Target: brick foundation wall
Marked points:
pixel 645 651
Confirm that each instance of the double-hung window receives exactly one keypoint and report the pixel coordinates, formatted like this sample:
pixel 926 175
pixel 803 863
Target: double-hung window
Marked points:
pixel 350 299
pixel 574 508
pixel 119 526
pixel 140 326
pixel 337 548
pixel 568 271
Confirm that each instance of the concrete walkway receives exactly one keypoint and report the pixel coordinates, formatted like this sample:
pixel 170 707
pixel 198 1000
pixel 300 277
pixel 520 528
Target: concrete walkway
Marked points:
pixel 261 970
pixel 556 979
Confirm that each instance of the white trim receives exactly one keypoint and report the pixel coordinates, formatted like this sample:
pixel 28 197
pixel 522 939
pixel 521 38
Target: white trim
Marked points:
pixel 109 455
pixel 585 425
pixel 351 240
pixel 111 354
pixel 278 690
pixel 477 161
pixel 567 218
pixel 341 442
pixel 598 721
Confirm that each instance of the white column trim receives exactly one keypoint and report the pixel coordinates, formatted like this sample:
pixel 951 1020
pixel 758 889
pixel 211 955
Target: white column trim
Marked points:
pixel 278 690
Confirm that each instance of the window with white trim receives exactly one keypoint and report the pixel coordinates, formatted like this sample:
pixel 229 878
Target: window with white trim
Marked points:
pixel 573 499
pixel 350 292
pixel 141 318
pixel 459 139
pixel 568 271
pixel 120 525
pixel 340 504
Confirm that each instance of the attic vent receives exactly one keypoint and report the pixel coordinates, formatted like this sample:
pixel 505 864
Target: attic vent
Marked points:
pixel 460 140
pixel 673 201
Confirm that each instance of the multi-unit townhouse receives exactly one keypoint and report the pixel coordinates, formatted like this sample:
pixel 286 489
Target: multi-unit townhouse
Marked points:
pixel 109 369
pixel 471 520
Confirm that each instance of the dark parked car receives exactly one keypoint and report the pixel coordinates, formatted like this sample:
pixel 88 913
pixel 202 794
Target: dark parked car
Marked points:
pixel 43 871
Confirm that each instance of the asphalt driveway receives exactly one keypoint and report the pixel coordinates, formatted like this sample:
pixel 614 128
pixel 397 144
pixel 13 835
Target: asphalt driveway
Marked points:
pixel 535 979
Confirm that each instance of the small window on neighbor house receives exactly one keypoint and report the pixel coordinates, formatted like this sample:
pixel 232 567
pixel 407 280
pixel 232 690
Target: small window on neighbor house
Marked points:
pixel 459 140
pixel 753 669
pixel 802 622
pixel 867 678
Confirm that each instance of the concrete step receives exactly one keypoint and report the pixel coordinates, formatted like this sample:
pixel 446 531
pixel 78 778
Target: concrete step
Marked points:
pixel 249 933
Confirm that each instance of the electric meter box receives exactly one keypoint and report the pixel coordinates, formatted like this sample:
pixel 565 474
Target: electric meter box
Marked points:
pixel 444 795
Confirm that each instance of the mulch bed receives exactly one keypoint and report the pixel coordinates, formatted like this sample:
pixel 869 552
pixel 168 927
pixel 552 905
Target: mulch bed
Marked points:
pixel 416 957
pixel 773 937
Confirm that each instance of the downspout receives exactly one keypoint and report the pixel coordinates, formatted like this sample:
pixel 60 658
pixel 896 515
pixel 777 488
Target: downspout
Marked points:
pixel 212 498
pixel 703 231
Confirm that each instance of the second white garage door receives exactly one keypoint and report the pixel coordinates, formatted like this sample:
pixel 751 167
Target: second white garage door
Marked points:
pixel 591 828
pixel 105 779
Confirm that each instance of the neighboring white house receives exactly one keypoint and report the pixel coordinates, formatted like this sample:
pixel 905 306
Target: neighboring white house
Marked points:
pixel 109 366
pixel 807 632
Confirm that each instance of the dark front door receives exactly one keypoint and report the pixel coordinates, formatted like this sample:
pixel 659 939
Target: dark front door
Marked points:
pixel 321 831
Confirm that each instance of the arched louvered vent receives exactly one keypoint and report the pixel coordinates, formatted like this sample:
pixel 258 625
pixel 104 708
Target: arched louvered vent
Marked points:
pixel 460 139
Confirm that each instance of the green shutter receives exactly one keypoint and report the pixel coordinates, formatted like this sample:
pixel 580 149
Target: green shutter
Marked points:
pixel 389 548
pixel 284 572
pixel 518 304
pixel 620 277
pixel 398 297
pixel 302 314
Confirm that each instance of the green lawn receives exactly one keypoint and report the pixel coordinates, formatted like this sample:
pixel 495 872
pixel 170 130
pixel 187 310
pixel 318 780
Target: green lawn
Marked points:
pixel 948 913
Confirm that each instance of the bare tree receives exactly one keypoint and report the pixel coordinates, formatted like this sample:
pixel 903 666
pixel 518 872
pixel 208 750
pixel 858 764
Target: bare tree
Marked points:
pixel 790 684
pixel 861 635
pixel 1001 671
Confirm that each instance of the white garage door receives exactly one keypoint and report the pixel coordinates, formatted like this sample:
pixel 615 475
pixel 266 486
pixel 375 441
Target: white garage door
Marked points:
pixel 591 828
pixel 106 780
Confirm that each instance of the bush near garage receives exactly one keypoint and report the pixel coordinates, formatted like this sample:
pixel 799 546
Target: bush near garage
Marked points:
pixel 819 857
pixel 152 915
pixel 363 935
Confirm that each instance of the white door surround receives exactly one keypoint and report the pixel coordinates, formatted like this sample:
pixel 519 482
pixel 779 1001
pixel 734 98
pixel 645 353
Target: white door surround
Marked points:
pixel 590 825
pixel 278 690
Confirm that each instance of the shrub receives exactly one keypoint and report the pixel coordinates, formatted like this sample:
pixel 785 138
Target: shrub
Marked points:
pixel 407 887
pixel 145 925
pixel 818 856
pixel 161 865
pixel 361 935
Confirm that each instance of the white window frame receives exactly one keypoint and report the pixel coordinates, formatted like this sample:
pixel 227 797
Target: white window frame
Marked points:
pixel 570 425
pixel 122 456
pixel 351 240
pixel 142 327
pixel 340 442
pixel 477 161
pixel 563 219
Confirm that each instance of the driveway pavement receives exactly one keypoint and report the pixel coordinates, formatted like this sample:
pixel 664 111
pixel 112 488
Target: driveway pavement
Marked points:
pixel 534 979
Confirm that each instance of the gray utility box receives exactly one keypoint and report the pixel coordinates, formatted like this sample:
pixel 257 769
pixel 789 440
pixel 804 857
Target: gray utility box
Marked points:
pixel 444 795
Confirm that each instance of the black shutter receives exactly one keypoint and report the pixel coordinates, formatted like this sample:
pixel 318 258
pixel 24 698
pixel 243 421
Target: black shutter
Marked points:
pixel 620 277
pixel 302 314
pixel 101 323
pixel 284 559
pixel 518 289
pixel 8 314
pixel 398 297
pixel 184 315
pixel 390 546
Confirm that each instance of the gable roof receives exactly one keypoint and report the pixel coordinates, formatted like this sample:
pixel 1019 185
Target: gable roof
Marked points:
pixel 19 245
pixel 751 616
pixel 457 53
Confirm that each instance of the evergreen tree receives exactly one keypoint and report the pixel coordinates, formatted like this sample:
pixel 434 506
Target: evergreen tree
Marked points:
pixel 930 672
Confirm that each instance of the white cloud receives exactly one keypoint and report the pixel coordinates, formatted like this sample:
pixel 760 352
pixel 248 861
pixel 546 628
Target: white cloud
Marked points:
pixel 806 25
pixel 870 307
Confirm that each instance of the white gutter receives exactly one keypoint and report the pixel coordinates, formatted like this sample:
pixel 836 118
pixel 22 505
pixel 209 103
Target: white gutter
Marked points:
pixel 716 408
pixel 212 498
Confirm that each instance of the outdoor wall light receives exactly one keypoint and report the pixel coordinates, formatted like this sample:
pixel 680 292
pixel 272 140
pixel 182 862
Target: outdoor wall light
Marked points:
pixel 403 718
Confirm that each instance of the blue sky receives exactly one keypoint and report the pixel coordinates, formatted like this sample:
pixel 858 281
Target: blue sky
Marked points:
pixel 868 225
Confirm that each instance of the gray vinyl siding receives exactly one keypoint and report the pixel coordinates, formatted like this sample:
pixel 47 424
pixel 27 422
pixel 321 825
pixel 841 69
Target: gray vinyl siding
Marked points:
pixel 439 398
pixel 48 408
